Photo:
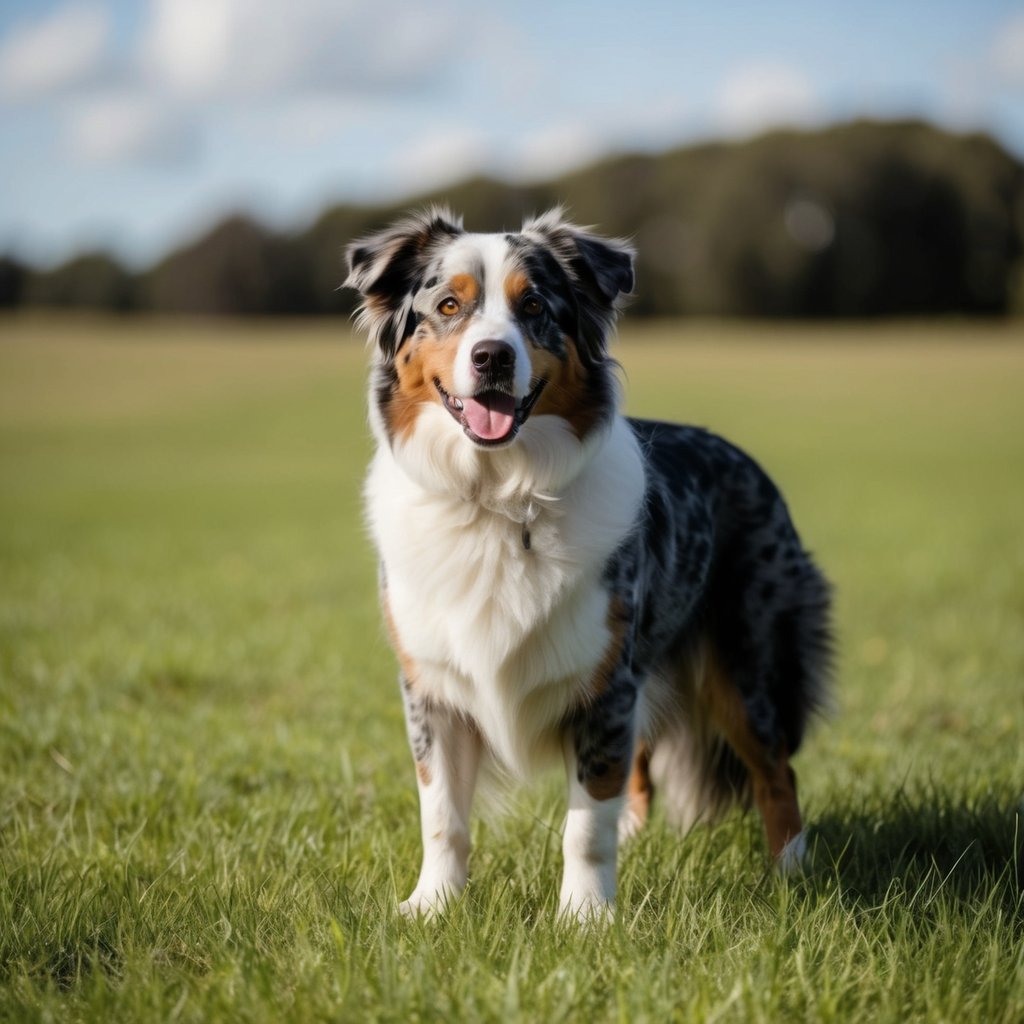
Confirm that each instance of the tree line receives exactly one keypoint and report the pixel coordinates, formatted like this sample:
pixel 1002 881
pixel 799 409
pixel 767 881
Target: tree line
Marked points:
pixel 862 219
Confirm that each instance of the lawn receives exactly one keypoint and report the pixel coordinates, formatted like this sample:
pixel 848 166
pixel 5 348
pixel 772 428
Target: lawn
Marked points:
pixel 207 810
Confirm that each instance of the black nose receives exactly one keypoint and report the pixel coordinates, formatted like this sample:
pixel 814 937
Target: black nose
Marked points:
pixel 493 357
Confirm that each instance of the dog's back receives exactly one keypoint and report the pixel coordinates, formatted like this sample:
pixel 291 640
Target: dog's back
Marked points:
pixel 734 624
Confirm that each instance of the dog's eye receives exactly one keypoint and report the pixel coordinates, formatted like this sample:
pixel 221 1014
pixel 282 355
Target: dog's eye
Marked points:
pixel 532 305
pixel 449 307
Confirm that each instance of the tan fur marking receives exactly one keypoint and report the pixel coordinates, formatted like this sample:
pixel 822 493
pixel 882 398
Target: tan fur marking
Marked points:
pixel 427 357
pixel 465 288
pixel 617 621
pixel 408 665
pixel 408 670
pixel 566 394
pixel 774 782
pixel 517 284
pixel 640 789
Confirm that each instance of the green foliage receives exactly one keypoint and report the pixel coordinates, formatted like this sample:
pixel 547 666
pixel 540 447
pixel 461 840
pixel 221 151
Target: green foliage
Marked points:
pixel 12 282
pixel 238 268
pixel 207 811
pixel 90 281
pixel 864 219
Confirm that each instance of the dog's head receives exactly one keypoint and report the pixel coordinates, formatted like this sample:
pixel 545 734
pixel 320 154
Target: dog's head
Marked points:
pixel 486 332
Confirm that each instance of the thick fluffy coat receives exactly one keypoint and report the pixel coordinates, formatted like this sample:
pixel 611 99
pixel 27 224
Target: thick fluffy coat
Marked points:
pixel 558 580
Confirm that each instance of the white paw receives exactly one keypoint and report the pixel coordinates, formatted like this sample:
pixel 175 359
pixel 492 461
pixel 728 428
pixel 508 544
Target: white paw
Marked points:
pixel 793 858
pixel 592 909
pixel 428 903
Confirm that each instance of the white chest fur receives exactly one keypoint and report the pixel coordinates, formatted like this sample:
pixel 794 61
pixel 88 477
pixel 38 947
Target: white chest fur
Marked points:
pixel 504 633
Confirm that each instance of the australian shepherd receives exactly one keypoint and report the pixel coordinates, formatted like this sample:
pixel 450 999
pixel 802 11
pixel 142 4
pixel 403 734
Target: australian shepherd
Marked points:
pixel 559 580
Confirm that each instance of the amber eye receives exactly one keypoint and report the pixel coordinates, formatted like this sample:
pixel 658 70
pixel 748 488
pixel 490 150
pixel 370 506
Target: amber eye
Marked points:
pixel 532 306
pixel 449 307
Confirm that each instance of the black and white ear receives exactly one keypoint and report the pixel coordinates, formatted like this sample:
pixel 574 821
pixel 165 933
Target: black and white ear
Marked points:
pixel 387 269
pixel 600 270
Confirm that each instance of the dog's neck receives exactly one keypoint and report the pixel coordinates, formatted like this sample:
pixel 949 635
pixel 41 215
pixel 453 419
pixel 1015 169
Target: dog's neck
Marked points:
pixel 519 482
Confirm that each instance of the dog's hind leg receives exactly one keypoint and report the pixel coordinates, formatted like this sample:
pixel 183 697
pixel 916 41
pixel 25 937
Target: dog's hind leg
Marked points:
pixel 639 793
pixel 773 781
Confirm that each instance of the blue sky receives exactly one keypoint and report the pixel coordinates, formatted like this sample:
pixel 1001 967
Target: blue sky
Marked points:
pixel 134 125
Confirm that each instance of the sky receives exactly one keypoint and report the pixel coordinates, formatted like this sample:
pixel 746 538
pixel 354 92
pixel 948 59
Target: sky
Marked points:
pixel 133 125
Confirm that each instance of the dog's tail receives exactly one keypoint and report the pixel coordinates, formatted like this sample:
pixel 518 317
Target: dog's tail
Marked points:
pixel 696 775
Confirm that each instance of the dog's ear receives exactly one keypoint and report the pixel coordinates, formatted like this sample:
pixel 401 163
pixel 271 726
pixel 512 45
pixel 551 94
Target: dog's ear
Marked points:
pixel 599 269
pixel 387 269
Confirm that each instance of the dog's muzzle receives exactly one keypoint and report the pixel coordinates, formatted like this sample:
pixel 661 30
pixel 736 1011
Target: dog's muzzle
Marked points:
pixel 490 417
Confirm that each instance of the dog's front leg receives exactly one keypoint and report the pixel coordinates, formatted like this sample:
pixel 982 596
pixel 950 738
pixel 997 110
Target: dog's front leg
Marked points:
pixel 598 756
pixel 446 748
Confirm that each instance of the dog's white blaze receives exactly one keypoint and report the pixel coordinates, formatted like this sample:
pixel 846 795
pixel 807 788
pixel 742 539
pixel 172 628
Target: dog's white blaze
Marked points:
pixel 505 634
pixel 493 321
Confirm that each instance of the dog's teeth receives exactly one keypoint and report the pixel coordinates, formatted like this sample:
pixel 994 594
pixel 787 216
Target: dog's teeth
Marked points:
pixel 457 404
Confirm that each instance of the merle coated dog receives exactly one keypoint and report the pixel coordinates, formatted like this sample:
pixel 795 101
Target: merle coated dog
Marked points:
pixel 559 580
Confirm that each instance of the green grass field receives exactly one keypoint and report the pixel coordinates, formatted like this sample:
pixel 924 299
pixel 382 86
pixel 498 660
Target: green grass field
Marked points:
pixel 207 810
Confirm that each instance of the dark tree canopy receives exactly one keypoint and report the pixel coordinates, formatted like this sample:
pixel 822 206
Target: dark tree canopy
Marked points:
pixel 864 219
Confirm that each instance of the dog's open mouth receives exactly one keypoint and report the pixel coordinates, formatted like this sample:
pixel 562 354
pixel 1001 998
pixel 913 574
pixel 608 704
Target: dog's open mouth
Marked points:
pixel 490 417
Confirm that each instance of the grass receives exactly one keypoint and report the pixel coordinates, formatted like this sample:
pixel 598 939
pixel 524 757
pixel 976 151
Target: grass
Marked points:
pixel 207 811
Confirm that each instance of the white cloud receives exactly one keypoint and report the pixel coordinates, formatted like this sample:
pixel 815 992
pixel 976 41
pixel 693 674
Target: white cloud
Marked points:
pixel 759 96
pixel 201 49
pixel 243 48
pixel 552 150
pixel 129 129
pixel 1008 51
pixel 306 68
pixel 185 44
pixel 439 158
pixel 65 49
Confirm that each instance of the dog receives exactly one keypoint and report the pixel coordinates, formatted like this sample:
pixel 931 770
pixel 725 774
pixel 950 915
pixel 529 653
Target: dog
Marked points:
pixel 558 580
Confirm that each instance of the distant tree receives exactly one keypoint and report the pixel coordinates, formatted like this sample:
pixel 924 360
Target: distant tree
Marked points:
pixel 90 281
pixel 864 219
pixel 861 220
pixel 13 274
pixel 240 267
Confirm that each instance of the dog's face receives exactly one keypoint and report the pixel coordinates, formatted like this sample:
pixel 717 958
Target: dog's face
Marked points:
pixel 486 331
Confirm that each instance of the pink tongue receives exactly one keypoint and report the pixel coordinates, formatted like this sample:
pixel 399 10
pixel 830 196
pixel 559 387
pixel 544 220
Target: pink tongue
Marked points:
pixel 491 415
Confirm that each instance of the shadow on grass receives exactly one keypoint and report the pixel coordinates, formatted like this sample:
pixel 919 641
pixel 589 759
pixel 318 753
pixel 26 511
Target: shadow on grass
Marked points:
pixel 921 845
